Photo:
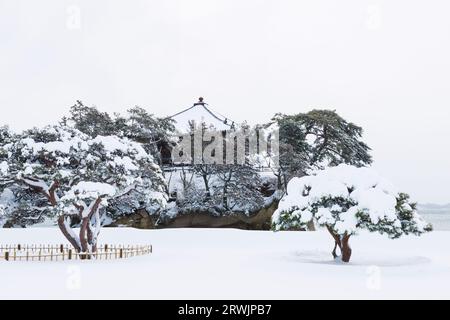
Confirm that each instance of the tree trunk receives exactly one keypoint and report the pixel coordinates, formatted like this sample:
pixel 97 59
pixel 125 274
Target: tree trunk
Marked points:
pixel 342 243
pixel 206 182
pixel 87 238
pixel 279 182
pixel 83 237
pixel 225 197
pixel 67 234
pixel 285 182
pixel 345 248
pixel 310 226
pixel 337 241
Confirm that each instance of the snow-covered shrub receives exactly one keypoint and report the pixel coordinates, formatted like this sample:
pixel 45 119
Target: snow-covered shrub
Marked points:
pixel 344 199
pixel 60 171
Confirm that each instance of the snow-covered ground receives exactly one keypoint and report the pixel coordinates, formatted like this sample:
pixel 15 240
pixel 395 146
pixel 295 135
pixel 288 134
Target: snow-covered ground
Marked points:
pixel 233 264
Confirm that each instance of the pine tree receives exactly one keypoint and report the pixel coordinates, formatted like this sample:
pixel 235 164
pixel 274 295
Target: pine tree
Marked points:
pixel 91 121
pixel 60 171
pixel 345 199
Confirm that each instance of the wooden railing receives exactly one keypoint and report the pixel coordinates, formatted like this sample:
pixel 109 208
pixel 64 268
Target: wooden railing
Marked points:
pixel 64 252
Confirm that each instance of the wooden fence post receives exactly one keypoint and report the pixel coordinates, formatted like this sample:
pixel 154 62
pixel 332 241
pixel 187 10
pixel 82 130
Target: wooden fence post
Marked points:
pixel 70 254
pixel 121 253
pixel 6 255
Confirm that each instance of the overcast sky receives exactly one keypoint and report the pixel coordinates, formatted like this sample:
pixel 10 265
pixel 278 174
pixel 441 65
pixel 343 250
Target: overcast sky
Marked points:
pixel 384 65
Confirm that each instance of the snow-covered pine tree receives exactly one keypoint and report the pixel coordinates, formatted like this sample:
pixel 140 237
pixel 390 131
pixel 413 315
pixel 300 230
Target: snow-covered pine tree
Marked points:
pixel 344 199
pixel 61 171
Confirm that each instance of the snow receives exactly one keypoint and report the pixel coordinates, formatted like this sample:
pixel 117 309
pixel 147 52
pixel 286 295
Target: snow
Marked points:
pixel 114 143
pixel 111 144
pixel 36 183
pixel 85 189
pixel 64 146
pixel 7 196
pixel 125 162
pixel 4 168
pixel 234 264
pixel 376 202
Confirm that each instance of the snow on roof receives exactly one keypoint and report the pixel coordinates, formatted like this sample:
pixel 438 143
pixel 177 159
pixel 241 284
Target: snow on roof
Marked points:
pixel 199 113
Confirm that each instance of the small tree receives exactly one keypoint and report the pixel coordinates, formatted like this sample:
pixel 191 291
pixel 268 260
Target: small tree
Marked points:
pixel 61 171
pixel 344 199
pixel 237 188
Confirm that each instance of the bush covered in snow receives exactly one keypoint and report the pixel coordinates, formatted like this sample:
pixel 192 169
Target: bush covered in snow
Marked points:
pixel 60 171
pixel 344 199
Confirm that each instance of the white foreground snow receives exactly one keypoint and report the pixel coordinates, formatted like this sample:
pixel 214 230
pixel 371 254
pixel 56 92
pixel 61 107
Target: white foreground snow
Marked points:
pixel 234 264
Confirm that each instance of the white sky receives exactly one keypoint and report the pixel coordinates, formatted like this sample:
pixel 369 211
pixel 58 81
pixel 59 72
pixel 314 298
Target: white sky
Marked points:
pixel 382 64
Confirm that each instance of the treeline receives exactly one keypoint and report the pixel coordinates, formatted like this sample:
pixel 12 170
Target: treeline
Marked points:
pixel 88 145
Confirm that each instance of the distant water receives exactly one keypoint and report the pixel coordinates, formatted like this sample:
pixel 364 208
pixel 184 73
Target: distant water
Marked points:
pixel 440 219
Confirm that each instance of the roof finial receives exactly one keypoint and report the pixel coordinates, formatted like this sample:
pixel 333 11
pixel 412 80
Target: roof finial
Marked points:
pixel 200 102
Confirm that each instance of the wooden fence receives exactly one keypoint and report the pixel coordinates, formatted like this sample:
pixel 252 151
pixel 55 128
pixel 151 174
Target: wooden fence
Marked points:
pixel 64 252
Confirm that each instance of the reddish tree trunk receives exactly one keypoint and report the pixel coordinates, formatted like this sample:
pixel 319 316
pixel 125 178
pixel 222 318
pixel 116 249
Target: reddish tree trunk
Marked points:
pixel 83 237
pixel 65 232
pixel 52 193
pixel 342 243
pixel 337 242
pixel 345 248
pixel 87 237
